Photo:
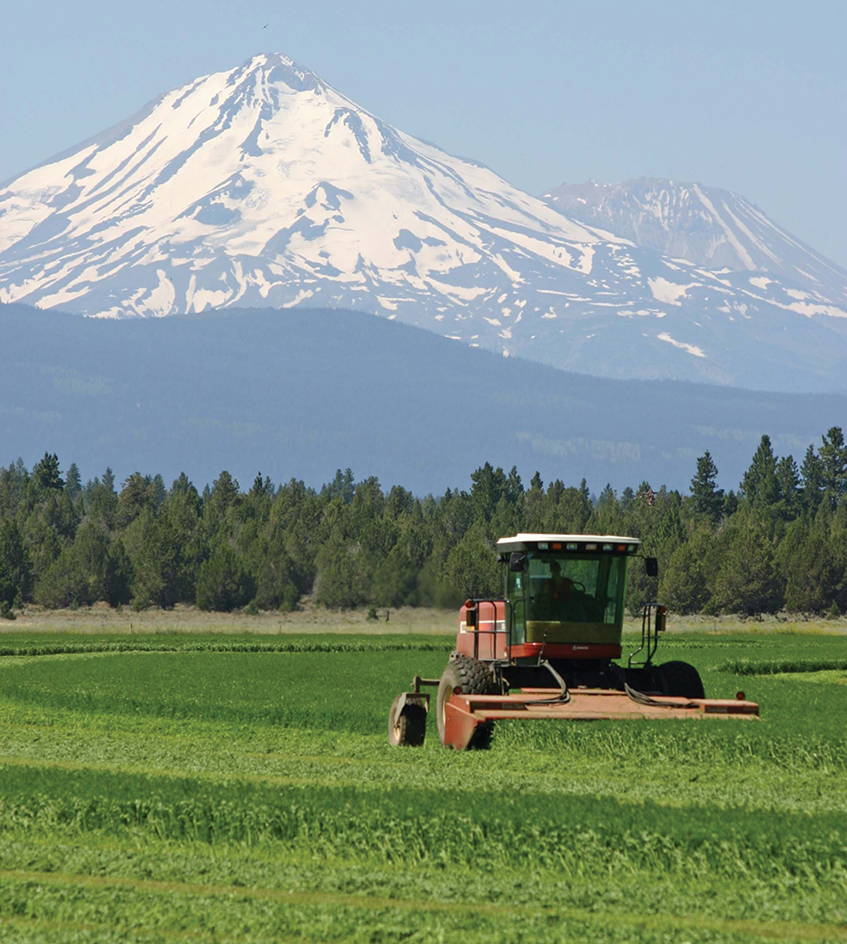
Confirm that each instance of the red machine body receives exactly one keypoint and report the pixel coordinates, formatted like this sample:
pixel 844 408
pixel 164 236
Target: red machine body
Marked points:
pixel 489 638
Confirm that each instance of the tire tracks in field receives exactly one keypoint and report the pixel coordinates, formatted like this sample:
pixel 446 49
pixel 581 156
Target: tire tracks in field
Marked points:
pixel 137 933
pixel 764 929
pixel 178 774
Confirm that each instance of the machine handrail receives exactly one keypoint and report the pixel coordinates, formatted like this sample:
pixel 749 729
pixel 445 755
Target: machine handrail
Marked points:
pixel 509 619
pixel 649 635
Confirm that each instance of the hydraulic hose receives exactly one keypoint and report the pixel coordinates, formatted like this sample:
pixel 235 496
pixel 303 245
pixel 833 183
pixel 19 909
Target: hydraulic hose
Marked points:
pixel 641 699
pixel 564 695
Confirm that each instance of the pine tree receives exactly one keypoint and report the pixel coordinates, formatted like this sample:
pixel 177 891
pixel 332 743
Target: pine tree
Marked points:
pixel 78 575
pixel 118 576
pixel 276 576
pixel 760 484
pixel 340 580
pixel 606 516
pixel 749 581
pixel 514 487
pixel 343 486
pixel 398 503
pixel 46 475
pixel 812 474
pixel 223 583
pixel 833 465
pixel 686 586
pixel 534 505
pixel 224 495
pixel 73 482
pixel 788 480
pixel 13 484
pixel 488 486
pixel 41 541
pixel 555 490
pixel 137 495
pixel 395 580
pixel 158 567
pixel 570 512
pixel 102 502
pixel 15 567
pixel 157 487
pixel 730 505
pixel 261 487
pixel 706 497
pixel 471 569
pixel 181 484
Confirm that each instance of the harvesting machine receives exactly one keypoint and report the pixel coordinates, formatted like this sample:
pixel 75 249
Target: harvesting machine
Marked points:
pixel 548 649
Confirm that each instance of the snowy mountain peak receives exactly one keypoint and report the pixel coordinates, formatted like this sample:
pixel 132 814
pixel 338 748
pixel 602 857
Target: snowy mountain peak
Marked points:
pixel 272 69
pixel 705 225
pixel 263 186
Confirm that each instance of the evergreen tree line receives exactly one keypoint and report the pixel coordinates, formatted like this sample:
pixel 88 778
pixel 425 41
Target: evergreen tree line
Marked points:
pixel 778 542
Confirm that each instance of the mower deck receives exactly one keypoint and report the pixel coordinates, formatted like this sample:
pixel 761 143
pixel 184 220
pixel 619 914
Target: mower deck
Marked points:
pixel 464 712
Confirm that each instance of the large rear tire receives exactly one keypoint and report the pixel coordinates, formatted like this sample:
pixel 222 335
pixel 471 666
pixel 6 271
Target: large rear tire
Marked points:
pixel 406 725
pixel 680 680
pixel 470 677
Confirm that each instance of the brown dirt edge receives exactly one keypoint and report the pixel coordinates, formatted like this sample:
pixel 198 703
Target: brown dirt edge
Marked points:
pixel 309 618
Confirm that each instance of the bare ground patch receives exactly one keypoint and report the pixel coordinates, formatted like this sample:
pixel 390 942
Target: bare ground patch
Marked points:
pixel 309 618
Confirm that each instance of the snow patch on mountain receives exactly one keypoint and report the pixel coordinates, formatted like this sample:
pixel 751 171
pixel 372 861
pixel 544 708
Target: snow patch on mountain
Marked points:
pixel 682 345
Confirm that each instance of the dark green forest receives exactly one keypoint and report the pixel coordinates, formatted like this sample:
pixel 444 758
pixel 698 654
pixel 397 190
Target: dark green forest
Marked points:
pixel 776 542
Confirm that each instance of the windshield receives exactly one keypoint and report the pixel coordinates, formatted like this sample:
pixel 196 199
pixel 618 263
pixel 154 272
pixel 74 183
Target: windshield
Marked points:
pixel 570 589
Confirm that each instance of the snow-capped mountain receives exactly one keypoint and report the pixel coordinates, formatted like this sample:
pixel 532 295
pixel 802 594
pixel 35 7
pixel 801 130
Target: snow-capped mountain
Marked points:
pixel 263 186
pixel 705 225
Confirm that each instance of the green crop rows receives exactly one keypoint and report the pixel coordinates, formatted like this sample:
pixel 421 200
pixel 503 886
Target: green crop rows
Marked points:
pixel 221 789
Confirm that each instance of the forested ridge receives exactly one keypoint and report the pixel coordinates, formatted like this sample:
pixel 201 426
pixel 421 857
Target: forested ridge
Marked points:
pixel 778 541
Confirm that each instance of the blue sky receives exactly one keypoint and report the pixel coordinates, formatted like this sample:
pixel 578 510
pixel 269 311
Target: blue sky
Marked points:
pixel 747 95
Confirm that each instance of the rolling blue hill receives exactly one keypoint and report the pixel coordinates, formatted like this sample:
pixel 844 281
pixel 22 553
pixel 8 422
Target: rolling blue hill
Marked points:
pixel 301 393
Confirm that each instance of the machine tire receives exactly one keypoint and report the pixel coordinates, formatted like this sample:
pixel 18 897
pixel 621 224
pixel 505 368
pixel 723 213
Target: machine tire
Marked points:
pixel 680 680
pixel 471 677
pixel 406 725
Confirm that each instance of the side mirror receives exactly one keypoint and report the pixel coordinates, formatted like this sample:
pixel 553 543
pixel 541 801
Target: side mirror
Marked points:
pixel 516 559
pixel 651 565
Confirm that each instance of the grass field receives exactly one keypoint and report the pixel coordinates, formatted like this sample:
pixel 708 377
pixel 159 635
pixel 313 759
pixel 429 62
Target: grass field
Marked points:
pixel 232 787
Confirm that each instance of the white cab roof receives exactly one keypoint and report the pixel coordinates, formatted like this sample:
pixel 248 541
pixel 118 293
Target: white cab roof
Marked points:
pixel 525 538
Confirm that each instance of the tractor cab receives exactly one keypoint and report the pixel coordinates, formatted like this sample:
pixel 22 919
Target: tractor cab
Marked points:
pixel 567 589
pixel 563 598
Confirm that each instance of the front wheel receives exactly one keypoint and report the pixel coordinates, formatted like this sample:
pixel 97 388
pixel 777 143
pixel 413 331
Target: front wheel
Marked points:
pixel 466 676
pixel 406 725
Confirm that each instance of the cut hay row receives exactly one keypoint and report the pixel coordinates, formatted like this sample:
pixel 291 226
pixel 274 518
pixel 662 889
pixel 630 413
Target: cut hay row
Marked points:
pixel 576 837
pixel 76 648
pixel 781 666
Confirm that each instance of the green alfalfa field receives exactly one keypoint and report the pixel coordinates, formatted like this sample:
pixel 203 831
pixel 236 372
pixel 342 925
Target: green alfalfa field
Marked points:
pixel 220 787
